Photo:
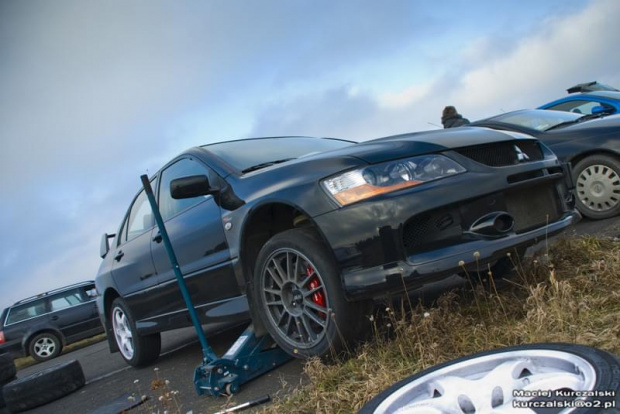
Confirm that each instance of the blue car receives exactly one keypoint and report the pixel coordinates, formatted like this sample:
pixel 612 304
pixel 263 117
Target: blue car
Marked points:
pixel 588 98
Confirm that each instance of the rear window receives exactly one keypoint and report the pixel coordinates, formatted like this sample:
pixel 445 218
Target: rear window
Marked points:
pixel 26 311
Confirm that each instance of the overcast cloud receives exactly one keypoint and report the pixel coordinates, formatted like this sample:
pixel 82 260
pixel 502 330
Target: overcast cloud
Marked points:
pixel 94 94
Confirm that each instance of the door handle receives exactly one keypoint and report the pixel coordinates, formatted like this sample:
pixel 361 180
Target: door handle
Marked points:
pixel 157 238
pixel 54 318
pixel 119 256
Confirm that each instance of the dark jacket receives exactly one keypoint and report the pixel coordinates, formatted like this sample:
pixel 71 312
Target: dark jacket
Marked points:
pixel 454 121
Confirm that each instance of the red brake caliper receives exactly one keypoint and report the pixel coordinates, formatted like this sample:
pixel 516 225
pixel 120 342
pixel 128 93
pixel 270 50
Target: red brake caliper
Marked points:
pixel 317 297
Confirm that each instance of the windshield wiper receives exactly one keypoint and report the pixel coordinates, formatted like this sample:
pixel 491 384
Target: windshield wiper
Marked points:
pixel 265 164
pixel 578 120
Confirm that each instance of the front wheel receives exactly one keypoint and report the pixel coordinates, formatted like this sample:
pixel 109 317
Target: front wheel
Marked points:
pixel 136 350
pixel 597 184
pixel 512 379
pixel 45 346
pixel 296 290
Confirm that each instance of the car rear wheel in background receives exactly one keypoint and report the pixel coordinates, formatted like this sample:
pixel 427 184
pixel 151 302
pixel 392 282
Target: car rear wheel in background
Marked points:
pixel 136 350
pixel 597 186
pixel 297 292
pixel 44 346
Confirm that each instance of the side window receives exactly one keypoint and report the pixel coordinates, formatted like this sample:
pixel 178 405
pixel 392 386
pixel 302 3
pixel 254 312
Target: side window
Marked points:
pixel 168 206
pixel 66 299
pixel 26 311
pixel 139 220
pixel 140 217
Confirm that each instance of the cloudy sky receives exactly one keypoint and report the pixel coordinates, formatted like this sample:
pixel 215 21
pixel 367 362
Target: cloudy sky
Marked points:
pixel 95 93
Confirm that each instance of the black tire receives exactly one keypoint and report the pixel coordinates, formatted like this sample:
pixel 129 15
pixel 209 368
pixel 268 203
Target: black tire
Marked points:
pixel 44 346
pixel 600 369
pixel 135 349
pixel 506 266
pixel 597 186
pixel 313 317
pixel 2 384
pixel 44 386
pixel 7 368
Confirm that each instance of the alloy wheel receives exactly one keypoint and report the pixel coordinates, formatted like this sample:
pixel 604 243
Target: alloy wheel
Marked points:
pixel 44 347
pixel 294 298
pixel 123 333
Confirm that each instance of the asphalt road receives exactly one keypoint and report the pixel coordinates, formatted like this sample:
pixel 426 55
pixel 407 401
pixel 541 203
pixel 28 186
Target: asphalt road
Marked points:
pixel 109 378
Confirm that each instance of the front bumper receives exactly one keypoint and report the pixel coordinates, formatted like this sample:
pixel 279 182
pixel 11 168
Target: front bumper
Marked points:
pixel 406 239
pixel 429 267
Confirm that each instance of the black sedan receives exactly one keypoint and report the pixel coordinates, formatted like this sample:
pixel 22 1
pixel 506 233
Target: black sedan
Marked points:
pixel 312 229
pixel 591 143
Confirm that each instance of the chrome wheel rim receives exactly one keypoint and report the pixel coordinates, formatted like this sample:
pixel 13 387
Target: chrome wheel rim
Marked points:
pixel 598 188
pixel 122 333
pixel 295 299
pixel 44 347
pixel 486 384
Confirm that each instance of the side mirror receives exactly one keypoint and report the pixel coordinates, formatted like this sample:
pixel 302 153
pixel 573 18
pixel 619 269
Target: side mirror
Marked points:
pixel 189 187
pixel 601 110
pixel 104 247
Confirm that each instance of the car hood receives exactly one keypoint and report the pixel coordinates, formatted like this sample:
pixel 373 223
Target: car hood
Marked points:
pixel 420 143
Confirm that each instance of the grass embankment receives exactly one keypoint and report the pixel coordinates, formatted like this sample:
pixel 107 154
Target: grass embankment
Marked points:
pixel 569 294
pixel 24 362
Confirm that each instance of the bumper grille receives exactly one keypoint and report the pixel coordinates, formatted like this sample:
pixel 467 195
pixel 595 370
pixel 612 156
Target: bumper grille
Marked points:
pixel 502 154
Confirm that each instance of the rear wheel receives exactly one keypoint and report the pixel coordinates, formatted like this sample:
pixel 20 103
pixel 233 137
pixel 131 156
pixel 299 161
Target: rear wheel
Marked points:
pixel 45 346
pixel 597 184
pixel 298 295
pixel 136 350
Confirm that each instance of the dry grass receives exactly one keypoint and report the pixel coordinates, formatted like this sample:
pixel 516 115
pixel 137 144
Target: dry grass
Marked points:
pixel 570 294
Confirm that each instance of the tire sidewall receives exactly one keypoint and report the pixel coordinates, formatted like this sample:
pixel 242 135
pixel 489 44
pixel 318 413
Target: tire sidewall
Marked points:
pixel 579 168
pixel 53 337
pixel 339 318
pixel 606 366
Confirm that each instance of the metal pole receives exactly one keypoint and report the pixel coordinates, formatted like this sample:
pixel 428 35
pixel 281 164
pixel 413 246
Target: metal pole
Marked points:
pixel 207 352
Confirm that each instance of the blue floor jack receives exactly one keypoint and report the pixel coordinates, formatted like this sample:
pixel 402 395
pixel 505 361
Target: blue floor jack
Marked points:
pixel 249 357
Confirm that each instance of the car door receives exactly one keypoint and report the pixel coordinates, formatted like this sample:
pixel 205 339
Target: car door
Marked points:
pixel 196 232
pixel 72 312
pixel 133 269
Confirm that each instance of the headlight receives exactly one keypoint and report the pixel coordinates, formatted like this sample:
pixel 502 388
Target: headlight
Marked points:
pixel 357 185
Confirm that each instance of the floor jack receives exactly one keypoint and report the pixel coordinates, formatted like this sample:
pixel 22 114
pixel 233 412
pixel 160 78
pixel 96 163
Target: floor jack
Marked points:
pixel 249 357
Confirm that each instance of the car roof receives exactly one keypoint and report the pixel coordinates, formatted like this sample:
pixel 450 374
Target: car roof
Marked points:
pixel 602 94
pixel 54 291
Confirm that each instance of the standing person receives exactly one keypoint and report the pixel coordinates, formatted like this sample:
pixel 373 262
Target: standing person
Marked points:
pixel 451 119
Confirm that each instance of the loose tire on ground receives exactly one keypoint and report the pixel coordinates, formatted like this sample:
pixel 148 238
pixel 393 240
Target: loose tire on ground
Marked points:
pixel 597 186
pixel 44 386
pixel 7 367
pixel 297 292
pixel 136 350
pixel 44 346
pixel 485 381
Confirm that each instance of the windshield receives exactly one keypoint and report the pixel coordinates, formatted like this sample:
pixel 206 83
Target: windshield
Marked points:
pixel 540 120
pixel 244 154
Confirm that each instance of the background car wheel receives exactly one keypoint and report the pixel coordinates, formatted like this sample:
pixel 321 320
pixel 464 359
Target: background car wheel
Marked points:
pixel 298 295
pixel 44 386
pixel 44 346
pixel 485 382
pixel 136 350
pixel 597 186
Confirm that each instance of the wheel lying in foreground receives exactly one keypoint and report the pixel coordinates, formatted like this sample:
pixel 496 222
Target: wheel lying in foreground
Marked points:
pixel 498 382
pixel 298 295
pixel 44 386
pixel 7 367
